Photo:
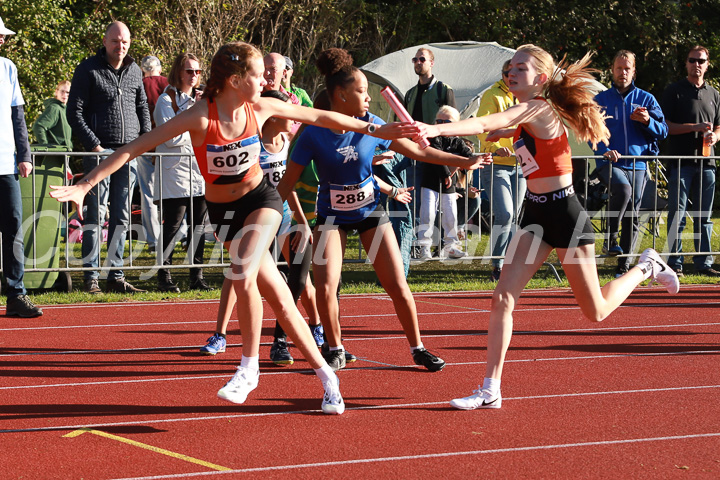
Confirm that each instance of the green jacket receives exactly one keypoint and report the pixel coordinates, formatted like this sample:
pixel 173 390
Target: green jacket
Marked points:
pixel 437 95
pixel 496 99
pixel 51 127
pixel 302 95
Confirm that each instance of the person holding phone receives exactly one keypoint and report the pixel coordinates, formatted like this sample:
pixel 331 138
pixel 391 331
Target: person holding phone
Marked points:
pixel 636 123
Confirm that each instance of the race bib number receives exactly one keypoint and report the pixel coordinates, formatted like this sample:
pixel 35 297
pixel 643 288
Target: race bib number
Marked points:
pixel 528 164
pixel 234 158
pixel 351 197
pixel 273 171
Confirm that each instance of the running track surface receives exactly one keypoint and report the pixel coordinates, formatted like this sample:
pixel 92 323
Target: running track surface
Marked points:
pixel 119 391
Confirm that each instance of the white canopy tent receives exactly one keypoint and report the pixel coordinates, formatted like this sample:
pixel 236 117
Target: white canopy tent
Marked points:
pixel 468 67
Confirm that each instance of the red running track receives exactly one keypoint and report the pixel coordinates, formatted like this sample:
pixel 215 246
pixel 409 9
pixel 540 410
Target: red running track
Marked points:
pixel 635 396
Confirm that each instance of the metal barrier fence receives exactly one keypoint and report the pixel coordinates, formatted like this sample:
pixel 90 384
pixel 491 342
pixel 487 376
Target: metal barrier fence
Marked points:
pixel 652 211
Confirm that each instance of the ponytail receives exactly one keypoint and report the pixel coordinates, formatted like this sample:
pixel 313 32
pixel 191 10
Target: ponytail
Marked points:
pixel 572 97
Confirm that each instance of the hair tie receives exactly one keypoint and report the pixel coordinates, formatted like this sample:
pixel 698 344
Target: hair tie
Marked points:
pixel 234 57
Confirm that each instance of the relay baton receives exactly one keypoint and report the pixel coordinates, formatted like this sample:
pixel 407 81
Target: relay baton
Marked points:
pixel 401 112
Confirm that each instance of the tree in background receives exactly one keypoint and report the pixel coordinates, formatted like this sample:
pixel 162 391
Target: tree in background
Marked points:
pixel 55 35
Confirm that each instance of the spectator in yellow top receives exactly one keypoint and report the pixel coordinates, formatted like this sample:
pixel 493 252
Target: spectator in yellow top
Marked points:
pixel 503 181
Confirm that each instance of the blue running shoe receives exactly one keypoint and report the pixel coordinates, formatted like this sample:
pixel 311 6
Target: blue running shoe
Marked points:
pixel 317 333
pixel 216 344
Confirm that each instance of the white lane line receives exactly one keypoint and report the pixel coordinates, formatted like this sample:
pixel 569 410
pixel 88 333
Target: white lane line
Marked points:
pixel 460 310
pixel 436 455
pixel 597 329
pixel 370 407
pixel 358 369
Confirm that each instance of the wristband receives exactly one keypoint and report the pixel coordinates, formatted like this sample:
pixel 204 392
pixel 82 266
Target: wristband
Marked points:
pixel 394 192
pixel 86 180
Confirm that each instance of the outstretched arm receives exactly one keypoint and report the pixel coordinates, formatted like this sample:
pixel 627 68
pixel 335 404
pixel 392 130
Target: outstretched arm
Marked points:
pixel 526 112
pixel 271 107
pixel 189 120
pixel 432 155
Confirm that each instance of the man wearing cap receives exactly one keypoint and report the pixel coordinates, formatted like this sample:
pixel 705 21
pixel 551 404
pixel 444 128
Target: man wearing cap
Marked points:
pixel 300 93
pixel 14 160
pixel 107 109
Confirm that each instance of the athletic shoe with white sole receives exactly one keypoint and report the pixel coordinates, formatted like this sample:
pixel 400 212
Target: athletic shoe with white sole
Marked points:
pixel 479 399
pixel 453 251
pixel 332 403
pixel 240 385
pixel 279 353
pixel 423 357
pixel 660 272
pixel 215 344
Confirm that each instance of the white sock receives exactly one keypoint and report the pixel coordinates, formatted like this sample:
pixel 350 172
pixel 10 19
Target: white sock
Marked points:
pixel 252 363
pixel 325 373
pixel 421 346
pixel 646 268
pixel 492 385
pixel 339 347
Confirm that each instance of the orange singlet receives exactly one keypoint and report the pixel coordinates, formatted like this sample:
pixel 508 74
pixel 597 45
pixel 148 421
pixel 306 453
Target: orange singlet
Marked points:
pixel 542 158
pixel 223 161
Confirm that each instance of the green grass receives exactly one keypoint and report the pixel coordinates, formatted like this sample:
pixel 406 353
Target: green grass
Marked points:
pixel 358 277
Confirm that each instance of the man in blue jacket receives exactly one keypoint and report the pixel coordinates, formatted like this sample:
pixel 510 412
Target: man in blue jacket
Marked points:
pixel 636 123
pixel 108 108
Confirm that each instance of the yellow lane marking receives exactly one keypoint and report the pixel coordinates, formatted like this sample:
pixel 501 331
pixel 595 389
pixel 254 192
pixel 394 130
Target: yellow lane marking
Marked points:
pixel 179 456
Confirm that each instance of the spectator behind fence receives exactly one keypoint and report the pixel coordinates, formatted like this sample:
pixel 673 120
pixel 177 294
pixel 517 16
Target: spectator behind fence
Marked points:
pixel 504 182
pixel 286 82
pixel 636 125
pixel 105 120
pixel 153 82
pixel 181 185
pixel 438 192
pixel 423 101
pixel 51 127
pixel 692 112
pixel 14 160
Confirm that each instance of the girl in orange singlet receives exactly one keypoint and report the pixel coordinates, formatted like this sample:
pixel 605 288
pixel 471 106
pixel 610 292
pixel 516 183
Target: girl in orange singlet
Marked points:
pixel 554 218
pixel 224 129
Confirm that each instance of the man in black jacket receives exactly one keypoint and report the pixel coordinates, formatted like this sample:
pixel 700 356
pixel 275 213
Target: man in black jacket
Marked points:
pixel 108 108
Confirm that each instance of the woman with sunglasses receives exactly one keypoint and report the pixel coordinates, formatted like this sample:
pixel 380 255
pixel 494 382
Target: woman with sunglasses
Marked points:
pixel 349 199
pixel 224 129
pixel 181 187
pixel 554 218
pixel 437 193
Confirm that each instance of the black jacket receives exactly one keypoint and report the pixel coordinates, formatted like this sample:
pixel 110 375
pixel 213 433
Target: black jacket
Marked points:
pixel 107 107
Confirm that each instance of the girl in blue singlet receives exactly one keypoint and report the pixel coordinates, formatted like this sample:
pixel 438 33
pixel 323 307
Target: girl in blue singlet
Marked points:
pixel 348 199
pixel 224 129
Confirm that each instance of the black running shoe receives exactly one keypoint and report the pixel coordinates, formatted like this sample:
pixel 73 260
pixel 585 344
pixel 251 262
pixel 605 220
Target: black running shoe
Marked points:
pixel 349 357
pixel 428 360
pixel 335 359
pixel 279 353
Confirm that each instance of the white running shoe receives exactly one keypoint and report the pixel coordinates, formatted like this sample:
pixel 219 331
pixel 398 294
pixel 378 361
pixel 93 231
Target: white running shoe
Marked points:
pixel 425 253
pixel 240 385
pixel 453 251
pixel 660 273
pixel 479 399
pixel 332 403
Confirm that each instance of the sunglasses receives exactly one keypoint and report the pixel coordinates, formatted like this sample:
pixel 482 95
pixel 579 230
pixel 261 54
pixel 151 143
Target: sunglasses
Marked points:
pixel 191 71
pixel 697 60
pixel 441 120
pixel 418 59
pixel 505 73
